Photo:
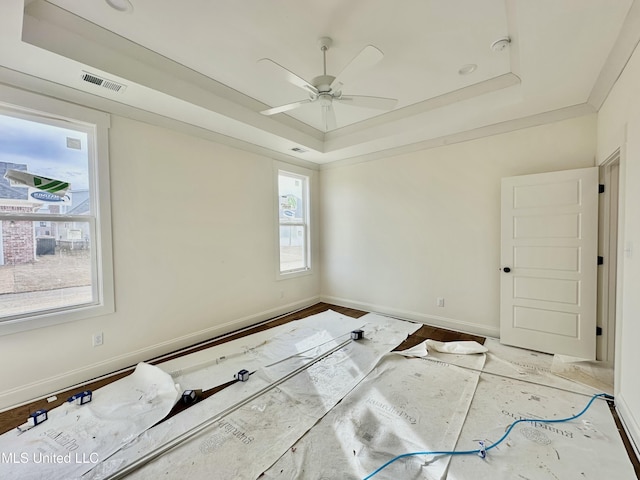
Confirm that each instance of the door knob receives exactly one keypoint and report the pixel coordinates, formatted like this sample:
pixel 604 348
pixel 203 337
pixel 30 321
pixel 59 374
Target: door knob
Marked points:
pixel 506 269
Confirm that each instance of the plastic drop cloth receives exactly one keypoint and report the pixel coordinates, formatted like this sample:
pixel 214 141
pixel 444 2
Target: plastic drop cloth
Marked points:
pixel 418 351
pixel 217 365
pixel 404 405
pixel 585 448
pixel 464 347
pixel 594 374
pixel 76 437
pixel 247 441
pixel 526 365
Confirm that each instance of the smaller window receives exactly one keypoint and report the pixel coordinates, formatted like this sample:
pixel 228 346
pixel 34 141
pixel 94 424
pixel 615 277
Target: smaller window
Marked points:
pixel 293 222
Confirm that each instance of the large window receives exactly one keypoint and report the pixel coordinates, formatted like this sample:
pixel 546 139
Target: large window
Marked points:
pixel 55 238
pixel 293 219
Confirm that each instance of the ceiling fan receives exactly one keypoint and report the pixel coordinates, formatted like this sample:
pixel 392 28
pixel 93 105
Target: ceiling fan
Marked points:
pixel 326 89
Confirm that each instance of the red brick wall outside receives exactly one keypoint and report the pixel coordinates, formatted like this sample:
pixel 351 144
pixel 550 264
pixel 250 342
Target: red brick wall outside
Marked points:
pixel 18 241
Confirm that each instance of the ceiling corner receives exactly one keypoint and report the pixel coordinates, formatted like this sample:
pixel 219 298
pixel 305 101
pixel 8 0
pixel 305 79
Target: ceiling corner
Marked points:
pixel 625 45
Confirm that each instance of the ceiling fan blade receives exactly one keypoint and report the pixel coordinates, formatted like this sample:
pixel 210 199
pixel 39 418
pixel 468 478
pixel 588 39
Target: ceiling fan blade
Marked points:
pixel 367 57
pixel 379 103
pixel 287 107
pixel 329 118
pixel 288 75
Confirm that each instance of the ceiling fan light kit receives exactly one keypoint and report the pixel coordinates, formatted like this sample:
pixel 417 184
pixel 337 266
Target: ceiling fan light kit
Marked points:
pixel 325 89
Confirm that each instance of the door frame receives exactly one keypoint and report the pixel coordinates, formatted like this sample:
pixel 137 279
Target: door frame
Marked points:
pixel 608 214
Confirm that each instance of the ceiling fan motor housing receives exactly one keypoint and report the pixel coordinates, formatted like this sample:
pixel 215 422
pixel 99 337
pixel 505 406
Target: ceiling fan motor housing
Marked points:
pixel 323 83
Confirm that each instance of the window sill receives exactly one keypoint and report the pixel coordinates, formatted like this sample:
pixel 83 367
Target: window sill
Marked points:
pixel 23 324
pixel 294 274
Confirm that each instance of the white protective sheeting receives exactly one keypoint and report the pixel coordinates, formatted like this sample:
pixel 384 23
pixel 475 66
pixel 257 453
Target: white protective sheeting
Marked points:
pixel 76 437
pixel 585 448
pixel 248 440
pixel 528 366
pixel 303 415
pixel 466 347
pixel 404 405
pixel 594 374
pixel 418 351
pixel 217 365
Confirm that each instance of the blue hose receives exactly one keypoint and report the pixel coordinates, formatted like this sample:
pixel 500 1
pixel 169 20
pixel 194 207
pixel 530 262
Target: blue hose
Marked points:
pixel 482 451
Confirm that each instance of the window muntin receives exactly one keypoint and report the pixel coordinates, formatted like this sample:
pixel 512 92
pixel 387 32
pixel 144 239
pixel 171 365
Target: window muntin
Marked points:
pixel 53 253
pixel 293 219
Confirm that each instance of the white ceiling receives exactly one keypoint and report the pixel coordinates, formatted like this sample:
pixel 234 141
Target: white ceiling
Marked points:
pixel 196 61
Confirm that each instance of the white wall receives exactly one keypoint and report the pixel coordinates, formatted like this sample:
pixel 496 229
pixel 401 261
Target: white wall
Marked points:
pixel 399 232
pixel 619 127
pixel 194 235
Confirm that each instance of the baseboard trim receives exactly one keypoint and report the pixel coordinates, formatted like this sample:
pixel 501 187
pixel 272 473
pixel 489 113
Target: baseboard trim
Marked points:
pixel 41 389
pixel 432 320
pixel 628 422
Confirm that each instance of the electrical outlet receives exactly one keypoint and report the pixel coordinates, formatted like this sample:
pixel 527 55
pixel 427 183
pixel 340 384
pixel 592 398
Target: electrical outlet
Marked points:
pixel 440 302
pixel 98 339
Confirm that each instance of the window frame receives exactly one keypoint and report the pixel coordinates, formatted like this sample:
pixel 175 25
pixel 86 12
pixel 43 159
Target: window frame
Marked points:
pixel 34 107
pixel 306 176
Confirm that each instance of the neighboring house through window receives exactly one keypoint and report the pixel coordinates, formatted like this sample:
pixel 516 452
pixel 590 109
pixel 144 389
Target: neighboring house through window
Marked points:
pixel 55 242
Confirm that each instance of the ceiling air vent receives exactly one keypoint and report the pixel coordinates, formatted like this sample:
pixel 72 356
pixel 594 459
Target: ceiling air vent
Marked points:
pixel 102 82
pixel 299 150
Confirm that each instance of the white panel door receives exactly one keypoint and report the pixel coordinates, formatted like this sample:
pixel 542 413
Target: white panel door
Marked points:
pixel 549 262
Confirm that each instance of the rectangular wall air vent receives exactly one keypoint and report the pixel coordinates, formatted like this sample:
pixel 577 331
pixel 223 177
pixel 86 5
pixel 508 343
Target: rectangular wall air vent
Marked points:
pixel 103 82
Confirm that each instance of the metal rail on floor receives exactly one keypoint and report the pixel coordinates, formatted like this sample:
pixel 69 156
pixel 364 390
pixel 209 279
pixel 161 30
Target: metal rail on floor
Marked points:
pixel 183 437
